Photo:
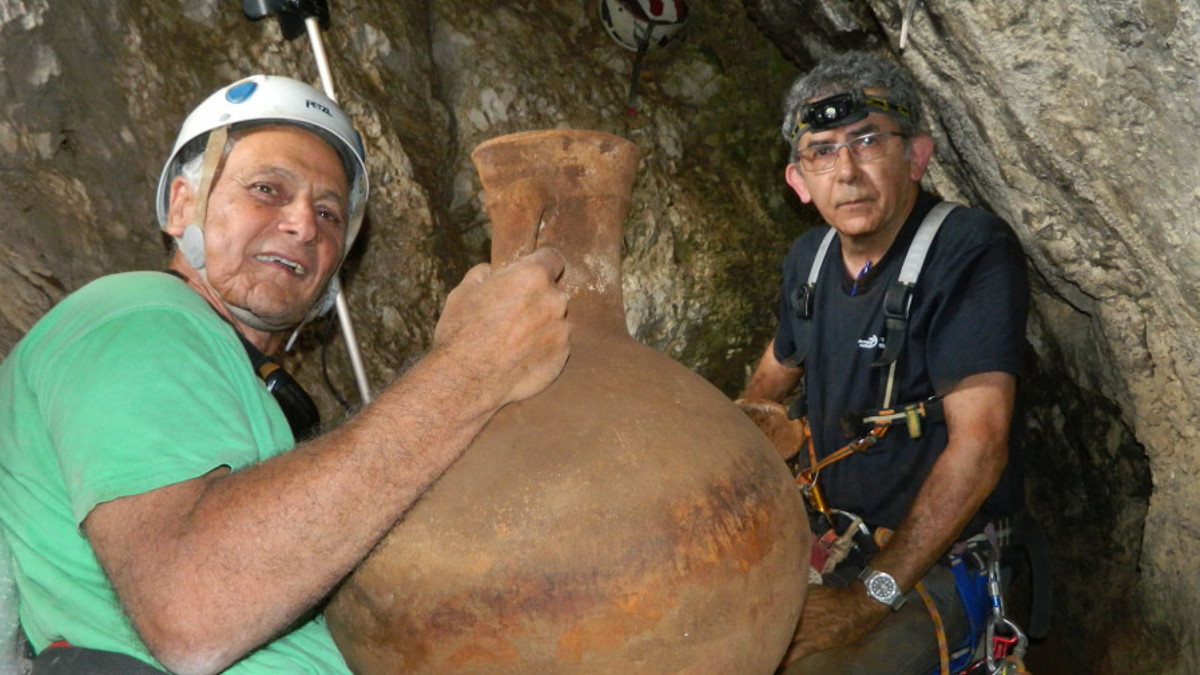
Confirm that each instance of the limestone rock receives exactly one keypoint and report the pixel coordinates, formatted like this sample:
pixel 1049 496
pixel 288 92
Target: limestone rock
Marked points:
pixel 1071 120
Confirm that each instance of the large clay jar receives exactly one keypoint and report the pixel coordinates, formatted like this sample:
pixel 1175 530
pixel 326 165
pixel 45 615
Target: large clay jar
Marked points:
pixel 629 519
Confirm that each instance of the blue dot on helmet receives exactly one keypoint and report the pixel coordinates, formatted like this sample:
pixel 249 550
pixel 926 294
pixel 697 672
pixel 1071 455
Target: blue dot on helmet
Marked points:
pixel 240 92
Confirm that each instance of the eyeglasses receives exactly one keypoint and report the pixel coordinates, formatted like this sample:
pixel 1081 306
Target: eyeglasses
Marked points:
pixel 822 157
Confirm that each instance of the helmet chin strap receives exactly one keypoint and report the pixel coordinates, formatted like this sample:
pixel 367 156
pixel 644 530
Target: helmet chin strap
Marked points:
pixel 255 321
pixel 191 244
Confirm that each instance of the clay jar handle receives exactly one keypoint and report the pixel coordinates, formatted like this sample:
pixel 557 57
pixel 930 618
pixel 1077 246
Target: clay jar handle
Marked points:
pixel 521 210
pixel 570 189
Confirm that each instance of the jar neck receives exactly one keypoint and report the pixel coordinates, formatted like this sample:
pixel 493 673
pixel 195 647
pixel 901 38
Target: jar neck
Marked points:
pixel 568 189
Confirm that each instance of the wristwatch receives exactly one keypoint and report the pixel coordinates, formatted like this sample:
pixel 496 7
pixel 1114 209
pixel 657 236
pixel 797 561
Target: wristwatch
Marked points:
pixel 882 587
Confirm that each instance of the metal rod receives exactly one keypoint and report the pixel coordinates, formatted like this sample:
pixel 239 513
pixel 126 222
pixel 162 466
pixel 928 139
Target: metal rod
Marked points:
pixel 908 17
pixel 356 364
pixel 343 309
pixel 318 47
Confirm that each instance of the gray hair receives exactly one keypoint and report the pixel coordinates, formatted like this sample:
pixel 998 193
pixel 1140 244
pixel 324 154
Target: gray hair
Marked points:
pixel 853 71
pixel 190 171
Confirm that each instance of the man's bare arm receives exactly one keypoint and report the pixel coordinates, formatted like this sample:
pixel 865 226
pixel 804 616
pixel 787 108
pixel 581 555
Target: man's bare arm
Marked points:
pixel 978 413
pixel 210 568
pixel 771 380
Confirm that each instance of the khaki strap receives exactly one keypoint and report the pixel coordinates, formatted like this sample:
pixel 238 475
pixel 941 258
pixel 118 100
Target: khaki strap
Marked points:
pixel 214 150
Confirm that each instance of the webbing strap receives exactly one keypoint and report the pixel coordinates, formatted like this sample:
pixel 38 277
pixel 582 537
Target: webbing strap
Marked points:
pixel 802 297
pixel 214 150
pixel 898 299
pixel 802 300
pixel 919 249
pixel 815 271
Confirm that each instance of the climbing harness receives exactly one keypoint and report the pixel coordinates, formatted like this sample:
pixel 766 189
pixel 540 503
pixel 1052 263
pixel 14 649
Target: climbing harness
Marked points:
pixel 897 305
pixel 638 24
pixel 807 479
pixel 866 428
pixel 311 16
pixel 897 301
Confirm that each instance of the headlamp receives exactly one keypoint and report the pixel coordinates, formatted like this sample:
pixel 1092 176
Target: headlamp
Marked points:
pixel 842 109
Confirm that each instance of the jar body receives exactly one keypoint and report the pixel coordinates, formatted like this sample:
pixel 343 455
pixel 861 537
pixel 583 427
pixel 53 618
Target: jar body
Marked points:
pixel 628 519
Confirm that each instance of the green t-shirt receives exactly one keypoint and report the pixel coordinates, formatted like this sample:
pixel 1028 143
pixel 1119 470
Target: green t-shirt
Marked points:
pixel 130 384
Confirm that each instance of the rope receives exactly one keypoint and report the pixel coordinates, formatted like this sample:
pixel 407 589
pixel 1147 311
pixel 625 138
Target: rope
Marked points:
pixel 939 629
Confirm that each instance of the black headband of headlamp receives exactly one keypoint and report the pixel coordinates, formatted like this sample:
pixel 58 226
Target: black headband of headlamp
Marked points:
pixel 842 109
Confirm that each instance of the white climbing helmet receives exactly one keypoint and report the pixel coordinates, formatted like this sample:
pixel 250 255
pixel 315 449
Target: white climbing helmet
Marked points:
pixel 270 99
pixel 638 24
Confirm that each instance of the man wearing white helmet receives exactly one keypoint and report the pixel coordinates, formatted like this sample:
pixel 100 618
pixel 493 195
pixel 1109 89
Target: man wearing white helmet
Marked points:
pixel 160 512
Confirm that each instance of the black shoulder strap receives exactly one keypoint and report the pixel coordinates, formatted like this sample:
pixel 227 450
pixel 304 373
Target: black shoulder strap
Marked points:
pixel 298 407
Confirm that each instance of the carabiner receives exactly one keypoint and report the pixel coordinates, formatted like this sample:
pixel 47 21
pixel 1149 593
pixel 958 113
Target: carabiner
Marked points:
pixel 993 585
pixel 1000 648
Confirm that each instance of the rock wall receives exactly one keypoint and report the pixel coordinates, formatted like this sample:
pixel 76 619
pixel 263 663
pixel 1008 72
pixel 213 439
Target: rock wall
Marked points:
pixel 1068 119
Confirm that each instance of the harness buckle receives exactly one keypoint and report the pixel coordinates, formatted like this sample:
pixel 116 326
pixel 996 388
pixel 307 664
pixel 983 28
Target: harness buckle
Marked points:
pixel 802 300
pixel 912 417
pixel 854 424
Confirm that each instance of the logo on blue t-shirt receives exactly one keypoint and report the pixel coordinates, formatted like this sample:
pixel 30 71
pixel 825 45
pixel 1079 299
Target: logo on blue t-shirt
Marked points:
pixel 873 342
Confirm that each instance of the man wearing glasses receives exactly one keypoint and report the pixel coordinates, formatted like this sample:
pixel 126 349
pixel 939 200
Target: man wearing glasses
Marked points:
pixel 908 379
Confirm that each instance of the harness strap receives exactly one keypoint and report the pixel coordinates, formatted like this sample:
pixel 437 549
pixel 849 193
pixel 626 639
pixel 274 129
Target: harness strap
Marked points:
pixel 898 299
pixel 61 658
pixel 807 478
pixel 802 297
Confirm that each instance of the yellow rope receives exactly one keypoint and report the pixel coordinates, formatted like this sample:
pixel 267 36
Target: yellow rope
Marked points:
pixel 943 648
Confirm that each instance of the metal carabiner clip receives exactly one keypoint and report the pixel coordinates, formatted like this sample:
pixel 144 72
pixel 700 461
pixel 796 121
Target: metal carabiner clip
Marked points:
pixel 1000 648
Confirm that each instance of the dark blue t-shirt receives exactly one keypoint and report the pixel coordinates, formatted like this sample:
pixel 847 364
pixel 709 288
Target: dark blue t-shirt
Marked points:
pixel 967 317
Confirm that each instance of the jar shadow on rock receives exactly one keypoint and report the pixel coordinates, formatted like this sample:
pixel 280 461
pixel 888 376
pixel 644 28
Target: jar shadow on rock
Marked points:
pixel 628 519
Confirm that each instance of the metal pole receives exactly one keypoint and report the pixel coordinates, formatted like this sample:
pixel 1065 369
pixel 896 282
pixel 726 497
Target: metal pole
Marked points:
pixel 343 309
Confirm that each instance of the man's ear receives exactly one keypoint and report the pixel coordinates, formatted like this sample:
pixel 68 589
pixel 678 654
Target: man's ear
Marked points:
pixel 181 208
pixel 920 152
pixel 795 179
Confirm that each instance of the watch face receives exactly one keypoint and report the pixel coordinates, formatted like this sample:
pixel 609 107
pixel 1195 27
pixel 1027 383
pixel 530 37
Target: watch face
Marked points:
pixel 882 587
